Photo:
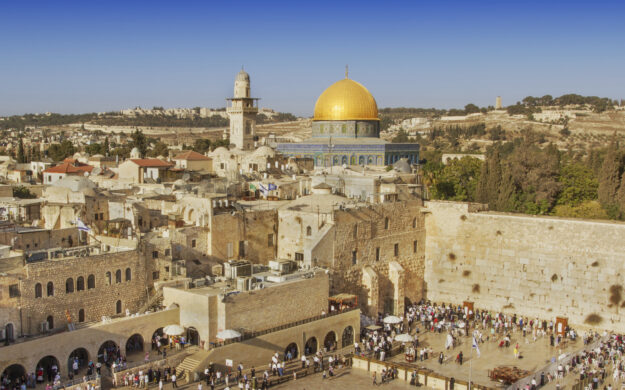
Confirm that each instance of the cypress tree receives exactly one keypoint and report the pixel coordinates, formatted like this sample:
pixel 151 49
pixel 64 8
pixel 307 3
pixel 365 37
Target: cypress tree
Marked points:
pixel 609 176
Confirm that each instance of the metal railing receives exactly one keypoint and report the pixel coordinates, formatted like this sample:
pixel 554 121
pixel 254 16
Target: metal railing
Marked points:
pixel 251 335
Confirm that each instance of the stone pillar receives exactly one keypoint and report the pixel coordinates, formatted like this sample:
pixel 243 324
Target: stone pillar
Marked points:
pixel 396 276
pixel 371 283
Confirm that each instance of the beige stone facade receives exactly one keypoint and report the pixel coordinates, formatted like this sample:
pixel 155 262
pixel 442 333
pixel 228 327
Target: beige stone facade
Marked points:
pixel 533 266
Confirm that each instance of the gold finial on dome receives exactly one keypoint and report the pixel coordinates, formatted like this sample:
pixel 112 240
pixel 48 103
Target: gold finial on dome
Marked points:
pixel 346 71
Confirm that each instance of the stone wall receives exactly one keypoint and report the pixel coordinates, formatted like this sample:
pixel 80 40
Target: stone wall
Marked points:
pixel 277 305
pixel 256 229
pixel 364 230
pixel 533 266
pixel 96 302
pixel 39 239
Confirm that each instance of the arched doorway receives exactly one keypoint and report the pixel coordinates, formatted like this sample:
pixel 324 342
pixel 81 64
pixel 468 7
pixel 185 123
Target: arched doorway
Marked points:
pixel 108 352
pixel 15 373
pixel 329 343
pixel 193 337
pixel 348 337
pixel 48 367
pixel 134 344
pixel 77 360
pixel 158 337
pixel 9 332
pixel 291 351
pixel 311 346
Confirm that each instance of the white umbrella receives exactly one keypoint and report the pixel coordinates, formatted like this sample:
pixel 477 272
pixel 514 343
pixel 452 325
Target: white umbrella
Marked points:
pixel 373 327
pixel 404 338
pixel 173 330
pixel 228 334
pixel 392 320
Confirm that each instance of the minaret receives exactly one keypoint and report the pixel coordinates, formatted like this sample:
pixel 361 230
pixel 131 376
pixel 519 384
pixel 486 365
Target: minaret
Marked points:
pixel 242 110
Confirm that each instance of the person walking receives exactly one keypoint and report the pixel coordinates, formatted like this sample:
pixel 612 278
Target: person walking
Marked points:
pixel 173 380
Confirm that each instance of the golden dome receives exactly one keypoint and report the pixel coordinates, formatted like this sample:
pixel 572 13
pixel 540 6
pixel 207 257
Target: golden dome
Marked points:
pixel 346 100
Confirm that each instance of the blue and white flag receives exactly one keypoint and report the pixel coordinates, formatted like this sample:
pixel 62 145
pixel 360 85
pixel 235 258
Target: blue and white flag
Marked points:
pixel 81 226
pixel 272 187
pixel 477 349
pixel 263 189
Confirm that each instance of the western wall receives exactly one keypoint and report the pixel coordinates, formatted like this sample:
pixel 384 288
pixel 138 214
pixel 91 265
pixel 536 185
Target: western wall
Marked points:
pixel 532 266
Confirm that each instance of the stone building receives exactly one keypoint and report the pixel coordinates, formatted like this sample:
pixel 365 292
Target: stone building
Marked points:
pixel 373 250
pixel 44 295
pixel 346 131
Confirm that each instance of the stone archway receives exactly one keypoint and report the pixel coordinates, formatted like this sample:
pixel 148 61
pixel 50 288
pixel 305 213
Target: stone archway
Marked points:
pixel 80 356
pixel 293 350
pixel 134 344
pixel 108 351
pixel 193 337
pixel 159 336
pixel 329 342
pixel 49 366
pixel 14 373
pixel 311 346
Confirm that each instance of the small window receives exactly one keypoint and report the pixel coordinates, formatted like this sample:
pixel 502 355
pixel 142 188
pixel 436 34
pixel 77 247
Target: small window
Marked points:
pixel 91 282
pixel 128 275
pixel 14 291
pixel 396 250
pixel 299 256
pixel 355 231
pixel 50 321
pixel 118 307
pixel 118 276
pixel 414 223
pixel 414 246
pixel 192 243
pixel 155 254
pixel 101 216
pixel 38 290
pixel 50 289
pixel 241 248
pixel 109 280
pixel 377 254
pixel 354 257
pixel 386 223
pixel 69 286
pixel 96 216
pixel 308 231
pixel 270 239
pixel 167 252
pixel 166 269
pixel 81 315
pixel 155 275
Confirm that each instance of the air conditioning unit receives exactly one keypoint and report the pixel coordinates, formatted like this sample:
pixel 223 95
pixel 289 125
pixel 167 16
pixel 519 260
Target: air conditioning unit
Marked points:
pixel 44 327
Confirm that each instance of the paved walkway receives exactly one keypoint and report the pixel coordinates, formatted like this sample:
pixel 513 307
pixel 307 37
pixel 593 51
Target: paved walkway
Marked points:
pixel 535 355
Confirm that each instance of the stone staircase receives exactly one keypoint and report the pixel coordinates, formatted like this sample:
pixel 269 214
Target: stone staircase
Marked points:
pixel 190 365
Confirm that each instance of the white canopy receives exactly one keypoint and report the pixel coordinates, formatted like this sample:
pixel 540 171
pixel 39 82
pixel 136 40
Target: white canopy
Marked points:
pixel 404 338
pixel 228 334
pixel 392 320
pixel 173 330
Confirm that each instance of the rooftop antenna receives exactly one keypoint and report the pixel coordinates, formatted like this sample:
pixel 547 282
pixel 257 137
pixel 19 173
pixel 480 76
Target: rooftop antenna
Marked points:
pixel 346 71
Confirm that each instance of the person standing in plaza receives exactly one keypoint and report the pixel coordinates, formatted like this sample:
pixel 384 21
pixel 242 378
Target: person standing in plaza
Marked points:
pixel 375 379
pixel 173 380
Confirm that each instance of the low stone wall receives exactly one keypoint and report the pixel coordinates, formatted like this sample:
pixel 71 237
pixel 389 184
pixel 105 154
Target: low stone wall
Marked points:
pixel 426 378
pixel 84 385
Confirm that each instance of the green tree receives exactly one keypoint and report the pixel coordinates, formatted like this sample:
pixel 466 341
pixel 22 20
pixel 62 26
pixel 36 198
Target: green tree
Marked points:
pixel 609 176
pixel 579 184
pixel 471 108
pixel 21 155
pixel 23 193
pixel 400 137
pixel 140 142
pixel 106 147
pixel 58 152
pixel 202 145
pixel 159 149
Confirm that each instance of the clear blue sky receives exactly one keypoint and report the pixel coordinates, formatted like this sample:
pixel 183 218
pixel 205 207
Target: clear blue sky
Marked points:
pixel 86 56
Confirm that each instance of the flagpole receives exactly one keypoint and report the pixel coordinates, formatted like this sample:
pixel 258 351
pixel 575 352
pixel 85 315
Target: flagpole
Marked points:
pixel 470 365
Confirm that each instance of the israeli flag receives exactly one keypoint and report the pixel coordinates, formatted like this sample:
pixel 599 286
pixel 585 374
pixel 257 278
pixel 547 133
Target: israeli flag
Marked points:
pixel 477 349
pixel 81 226
pixel 263 189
